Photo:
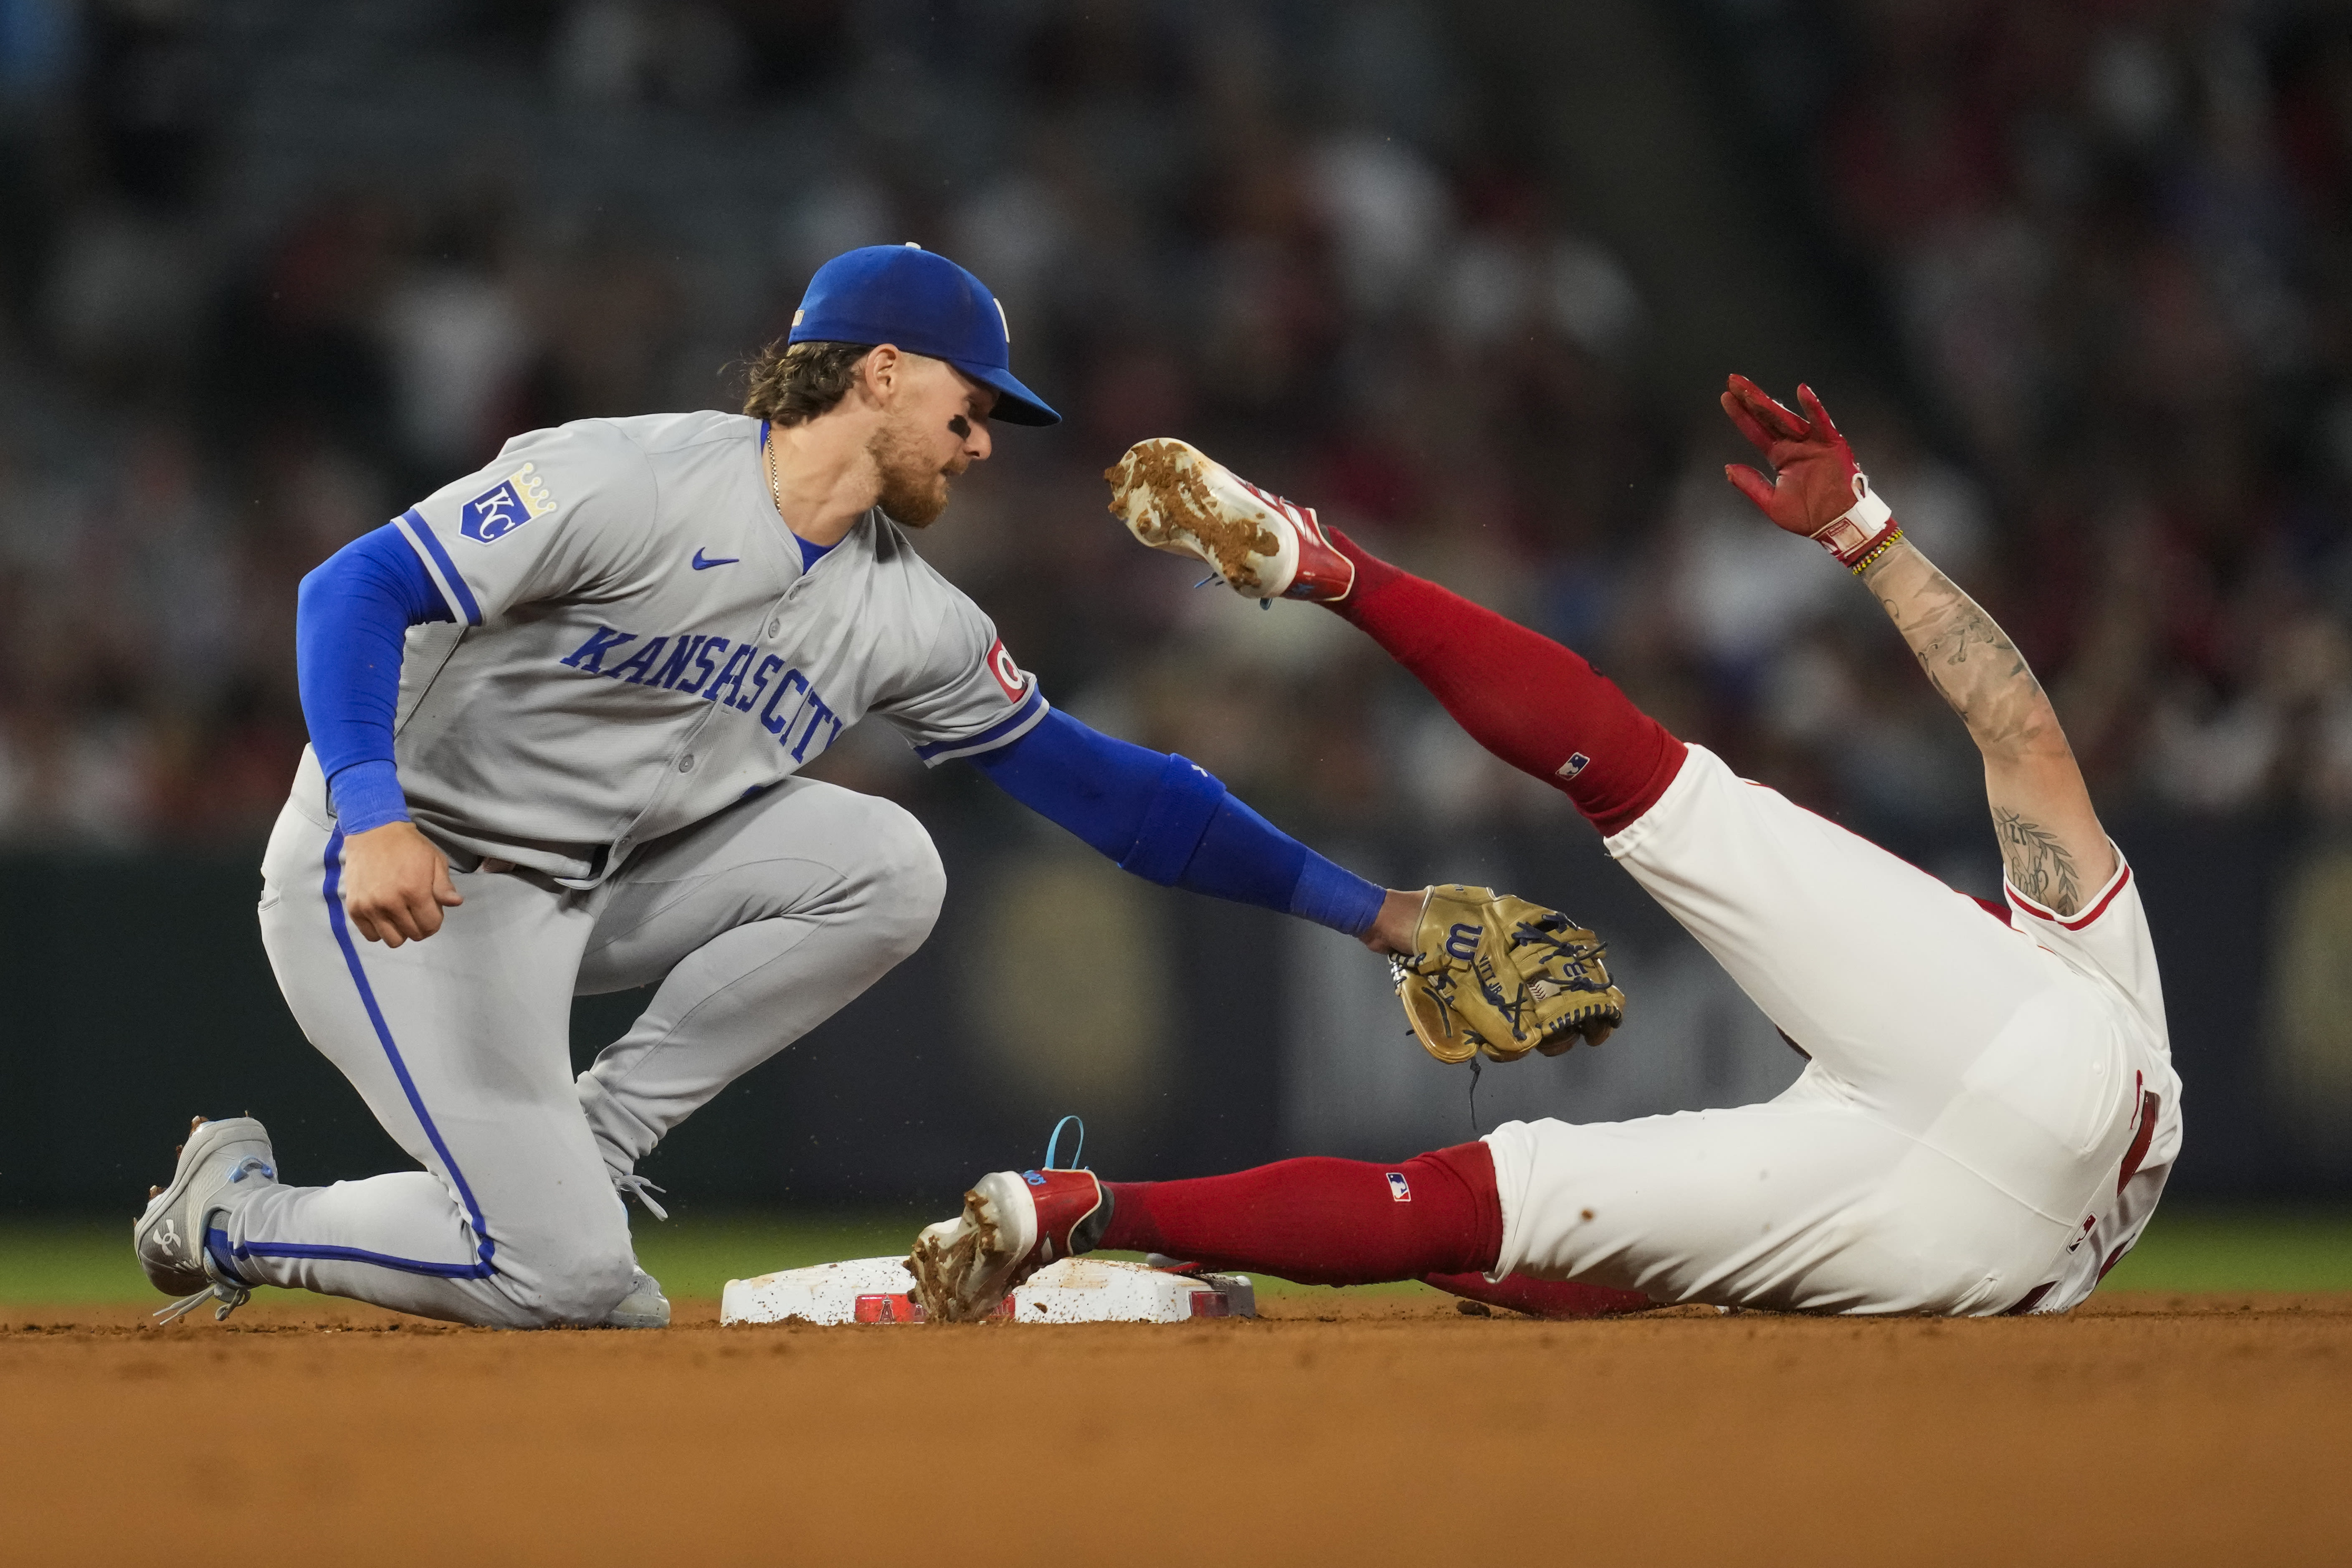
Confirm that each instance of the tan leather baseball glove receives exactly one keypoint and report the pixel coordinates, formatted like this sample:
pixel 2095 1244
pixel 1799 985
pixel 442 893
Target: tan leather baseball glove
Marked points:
pixel 1495 973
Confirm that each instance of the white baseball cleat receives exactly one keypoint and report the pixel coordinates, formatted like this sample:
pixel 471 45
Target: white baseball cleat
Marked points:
pixel 219 1159
pixel 1014 1223
pixel 1176 497
pixel 645 1307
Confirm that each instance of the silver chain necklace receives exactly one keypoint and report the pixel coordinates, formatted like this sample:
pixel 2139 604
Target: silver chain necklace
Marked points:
pixel 768 465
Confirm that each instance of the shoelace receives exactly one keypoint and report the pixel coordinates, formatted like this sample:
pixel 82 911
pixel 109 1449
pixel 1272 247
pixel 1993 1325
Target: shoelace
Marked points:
pixel 636 1186
pixel 1213 577
pixel 231 1295
pixel 1053 1141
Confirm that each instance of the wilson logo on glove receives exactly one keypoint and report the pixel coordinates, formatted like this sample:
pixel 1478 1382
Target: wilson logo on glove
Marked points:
pixel 1503 976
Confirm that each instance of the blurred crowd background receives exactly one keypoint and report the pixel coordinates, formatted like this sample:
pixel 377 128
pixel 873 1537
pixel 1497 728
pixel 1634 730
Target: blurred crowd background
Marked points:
pixel 2075 275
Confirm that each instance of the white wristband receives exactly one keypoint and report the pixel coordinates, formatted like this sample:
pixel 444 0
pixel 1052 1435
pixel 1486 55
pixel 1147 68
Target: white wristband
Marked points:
pixel 1853 531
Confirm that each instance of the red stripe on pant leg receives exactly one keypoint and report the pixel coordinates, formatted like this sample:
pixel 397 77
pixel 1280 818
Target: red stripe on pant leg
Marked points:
pixel 1542 1297
pixel 1522 695
pixel 1322 1221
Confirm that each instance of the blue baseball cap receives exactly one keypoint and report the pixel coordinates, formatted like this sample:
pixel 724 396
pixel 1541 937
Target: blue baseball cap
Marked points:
pixel 925 304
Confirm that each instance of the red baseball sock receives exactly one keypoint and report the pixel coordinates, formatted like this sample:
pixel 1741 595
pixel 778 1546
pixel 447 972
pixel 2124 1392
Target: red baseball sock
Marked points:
pixel 1530 701
pixel 1541 1298
pixel 1323 1222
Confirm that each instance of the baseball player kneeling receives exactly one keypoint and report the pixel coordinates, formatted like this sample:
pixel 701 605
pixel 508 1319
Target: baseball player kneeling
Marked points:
pixel 1989 1111
pixel 556 711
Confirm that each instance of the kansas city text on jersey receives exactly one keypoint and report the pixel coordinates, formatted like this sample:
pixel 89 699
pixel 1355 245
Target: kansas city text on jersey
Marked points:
pixel 734 675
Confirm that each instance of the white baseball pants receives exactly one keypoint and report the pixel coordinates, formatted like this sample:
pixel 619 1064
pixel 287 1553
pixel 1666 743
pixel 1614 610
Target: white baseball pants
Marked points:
pixel 1968 1092
pixel 757 924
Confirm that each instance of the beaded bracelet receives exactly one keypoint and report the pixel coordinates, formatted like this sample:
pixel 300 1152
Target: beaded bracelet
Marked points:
pixel 1884 546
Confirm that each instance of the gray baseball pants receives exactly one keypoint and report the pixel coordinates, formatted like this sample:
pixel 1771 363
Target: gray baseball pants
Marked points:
pixel 755 926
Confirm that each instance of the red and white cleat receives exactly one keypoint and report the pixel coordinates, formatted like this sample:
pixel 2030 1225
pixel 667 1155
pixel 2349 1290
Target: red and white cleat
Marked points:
pixel 1176 497
pixel 1014 1223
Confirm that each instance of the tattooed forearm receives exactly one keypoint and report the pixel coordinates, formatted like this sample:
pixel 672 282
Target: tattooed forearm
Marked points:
pixel 1969 660
pixel 1959 626
pixel 2051 841
pixel 2039 865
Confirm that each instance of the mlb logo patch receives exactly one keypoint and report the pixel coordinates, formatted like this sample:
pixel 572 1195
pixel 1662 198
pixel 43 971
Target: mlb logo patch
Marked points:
pixel 1575 764
pixel 1399 1188
pixel 506 506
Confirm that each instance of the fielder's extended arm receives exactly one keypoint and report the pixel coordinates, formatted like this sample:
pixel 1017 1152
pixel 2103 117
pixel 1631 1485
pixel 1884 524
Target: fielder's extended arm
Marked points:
pixel 1171 821
pixel 1159 816
pixel 2055 850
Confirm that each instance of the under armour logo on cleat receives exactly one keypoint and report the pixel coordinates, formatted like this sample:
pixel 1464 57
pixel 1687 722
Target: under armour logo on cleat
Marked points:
pixel 702 564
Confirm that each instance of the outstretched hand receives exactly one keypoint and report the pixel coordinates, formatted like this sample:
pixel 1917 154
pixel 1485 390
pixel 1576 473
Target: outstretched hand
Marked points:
pixel 1815 466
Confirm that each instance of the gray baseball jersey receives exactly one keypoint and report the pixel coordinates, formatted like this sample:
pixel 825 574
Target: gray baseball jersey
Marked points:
pixel 638 646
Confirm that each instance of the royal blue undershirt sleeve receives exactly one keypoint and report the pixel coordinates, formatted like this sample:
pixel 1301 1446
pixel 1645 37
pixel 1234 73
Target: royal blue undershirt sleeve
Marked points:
pixel 351 628
pixel 1168 821
pixel 1161 818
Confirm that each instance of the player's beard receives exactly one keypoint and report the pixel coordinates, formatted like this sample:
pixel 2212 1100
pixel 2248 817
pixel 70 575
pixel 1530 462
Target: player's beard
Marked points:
pixel 914 488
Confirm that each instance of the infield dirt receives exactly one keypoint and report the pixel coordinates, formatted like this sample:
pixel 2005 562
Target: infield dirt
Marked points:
pixel 2139 1430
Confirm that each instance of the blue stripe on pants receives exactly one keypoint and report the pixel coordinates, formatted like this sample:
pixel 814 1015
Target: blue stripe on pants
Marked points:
pixel 487 1266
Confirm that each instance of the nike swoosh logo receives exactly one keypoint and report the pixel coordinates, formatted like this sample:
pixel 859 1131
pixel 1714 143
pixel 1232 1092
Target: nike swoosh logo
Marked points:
pixel 701 565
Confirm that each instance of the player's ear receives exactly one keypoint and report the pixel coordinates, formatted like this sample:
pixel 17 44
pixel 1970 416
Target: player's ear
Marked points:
pixel 884 370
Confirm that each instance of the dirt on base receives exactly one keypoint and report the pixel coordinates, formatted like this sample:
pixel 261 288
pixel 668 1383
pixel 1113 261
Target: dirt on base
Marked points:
pixel 2139 1430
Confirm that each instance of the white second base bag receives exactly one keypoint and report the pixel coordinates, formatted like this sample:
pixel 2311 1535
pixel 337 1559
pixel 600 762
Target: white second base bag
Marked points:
pixel 1075 1290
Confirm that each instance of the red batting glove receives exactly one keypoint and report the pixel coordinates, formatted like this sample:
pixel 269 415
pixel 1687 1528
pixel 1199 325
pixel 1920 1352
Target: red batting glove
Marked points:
pixel 1821 492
